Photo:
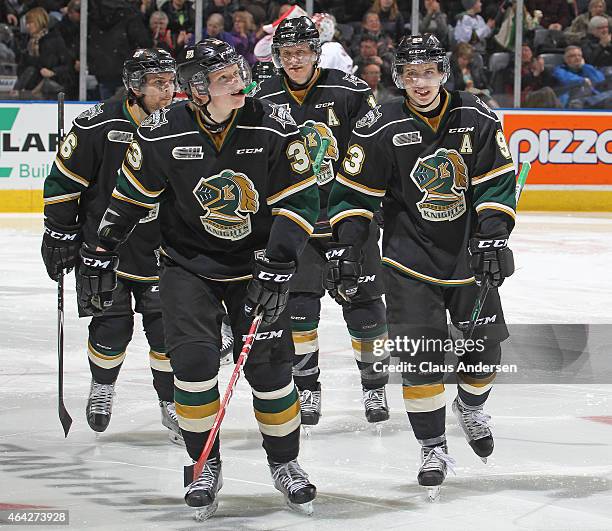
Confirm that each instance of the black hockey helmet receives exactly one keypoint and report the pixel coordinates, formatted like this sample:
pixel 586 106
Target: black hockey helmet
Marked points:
pixel 145 61
pixel 207 56
pixel 292 31
pixel 263 70
pixel 418 49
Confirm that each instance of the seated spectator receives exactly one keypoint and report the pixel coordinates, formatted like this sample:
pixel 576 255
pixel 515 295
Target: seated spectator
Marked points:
pixel 69 27
pixel 555 13
pixel 472 28
pixel 434 21
pixel 370 72
pixel 534 76
pixel 579 28
pixel 333 54
pixel 371 26
pixel 578 79
pixel 596 46
pixel 181 16
pixel 243 34
pixel 214 28
pixel 369 52
pixel 468 75
pixel 7 55
pixel 504 37
pixel 161 34
pixel 44 63
pixel 390 17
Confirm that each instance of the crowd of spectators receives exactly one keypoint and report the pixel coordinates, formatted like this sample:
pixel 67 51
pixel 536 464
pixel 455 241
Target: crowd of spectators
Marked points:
pixel 566 58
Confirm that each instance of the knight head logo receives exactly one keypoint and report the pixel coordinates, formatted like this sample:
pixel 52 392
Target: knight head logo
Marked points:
pixel 322 147
pixel 443 177
pixel 228 200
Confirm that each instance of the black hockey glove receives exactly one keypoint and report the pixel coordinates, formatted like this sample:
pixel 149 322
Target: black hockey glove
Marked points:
pixel 343 272
pixel 96 279
pixel 268 291
pixel 60 247
pixel 492 258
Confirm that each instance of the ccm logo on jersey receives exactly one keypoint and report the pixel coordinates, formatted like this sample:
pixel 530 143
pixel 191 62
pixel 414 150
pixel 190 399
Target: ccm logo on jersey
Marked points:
pixel 249 151
pixel 324 104
pixel 461 130
pixel 406 139
pixel 274 277
pixel 272 334
pixel 60 235
pixel 492 244
pixel 188 152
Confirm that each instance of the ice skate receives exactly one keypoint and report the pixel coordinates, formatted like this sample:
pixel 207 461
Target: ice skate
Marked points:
pixel 202 493
pixel 227 344
pixel 435 462
pixel 292 481
pixel 99 405
pixel 376 407
pixel 475 425
pixel 310 406
pixel 170 421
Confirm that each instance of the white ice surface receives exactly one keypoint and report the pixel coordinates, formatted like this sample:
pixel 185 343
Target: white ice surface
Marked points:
pixel 551 469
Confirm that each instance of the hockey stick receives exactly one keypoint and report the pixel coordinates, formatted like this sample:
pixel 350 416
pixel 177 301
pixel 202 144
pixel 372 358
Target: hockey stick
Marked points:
pixel 192 472
pixel 64 416
pixel 486 286
pixel 316 165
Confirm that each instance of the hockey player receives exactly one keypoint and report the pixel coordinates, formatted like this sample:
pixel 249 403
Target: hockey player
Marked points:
pixel 76 194
pixel 238 201
pixel 441 164
pixel 326 103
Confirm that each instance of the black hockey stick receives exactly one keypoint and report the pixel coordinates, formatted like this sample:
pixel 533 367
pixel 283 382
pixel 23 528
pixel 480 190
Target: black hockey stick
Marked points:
pixel 64 416
pixel 486 285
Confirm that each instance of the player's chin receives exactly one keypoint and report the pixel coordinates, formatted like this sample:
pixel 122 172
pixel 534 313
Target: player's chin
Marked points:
pixel 238 98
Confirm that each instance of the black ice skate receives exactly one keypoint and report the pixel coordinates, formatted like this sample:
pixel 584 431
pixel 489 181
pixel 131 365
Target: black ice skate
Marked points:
pixel 475 425
pixel 202 493
pixel 310 406
pixel 227 343
pixel 292 481
pixel 375 403
pixel 99 405
pixel 435 462
pixel 170 421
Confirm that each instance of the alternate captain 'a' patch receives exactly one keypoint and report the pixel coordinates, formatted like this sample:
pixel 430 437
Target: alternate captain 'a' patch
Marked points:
pixel 228 199
pixel 156 119
pixel 443 177
pixel 318 136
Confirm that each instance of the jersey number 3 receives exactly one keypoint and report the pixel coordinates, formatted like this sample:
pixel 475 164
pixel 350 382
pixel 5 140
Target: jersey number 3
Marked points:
pixel 353 161
pixel 133 156
pixel 296 151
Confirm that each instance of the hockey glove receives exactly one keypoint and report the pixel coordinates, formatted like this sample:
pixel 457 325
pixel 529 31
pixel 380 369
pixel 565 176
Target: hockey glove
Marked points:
pixel 492 258
pixel 343 272
pixel 268 291
pixel 60 247
pixel 96 279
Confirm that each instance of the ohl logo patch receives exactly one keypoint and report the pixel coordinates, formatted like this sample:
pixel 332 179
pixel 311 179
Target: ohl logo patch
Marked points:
pixel 443 177
pixel 228 200
pixel 318 137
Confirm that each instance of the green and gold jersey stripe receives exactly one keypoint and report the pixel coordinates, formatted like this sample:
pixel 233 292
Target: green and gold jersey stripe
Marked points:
pixel 359 187
pixel 290 190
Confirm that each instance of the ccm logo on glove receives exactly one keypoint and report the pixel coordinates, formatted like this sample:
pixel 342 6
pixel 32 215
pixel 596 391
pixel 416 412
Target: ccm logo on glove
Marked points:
pixel 60 235
pixel 274 277
pixel 492 244
pixel 95 262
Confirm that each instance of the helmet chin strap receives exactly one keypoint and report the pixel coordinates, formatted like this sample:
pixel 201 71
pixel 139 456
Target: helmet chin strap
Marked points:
pixel 211 124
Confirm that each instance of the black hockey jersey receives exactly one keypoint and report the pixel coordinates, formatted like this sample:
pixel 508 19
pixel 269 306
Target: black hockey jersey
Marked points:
pixel 219 203
pixel 441 180
pixel 332 103
pixel 82 178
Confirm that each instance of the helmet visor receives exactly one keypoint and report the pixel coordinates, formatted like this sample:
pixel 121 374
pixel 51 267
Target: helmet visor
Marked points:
pixel 227 79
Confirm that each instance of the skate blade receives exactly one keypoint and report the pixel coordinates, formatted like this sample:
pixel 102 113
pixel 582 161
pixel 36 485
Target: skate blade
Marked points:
pixel 433 493
pixel 307 429
pixel 302 508
pixel 204 513
pixel 484 460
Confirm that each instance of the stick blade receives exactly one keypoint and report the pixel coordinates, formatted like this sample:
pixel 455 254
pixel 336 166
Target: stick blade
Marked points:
pixel 65 419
